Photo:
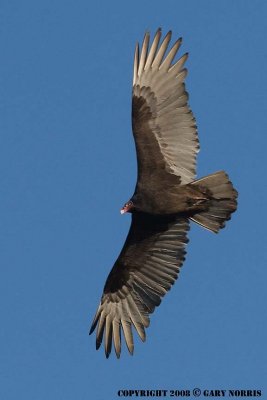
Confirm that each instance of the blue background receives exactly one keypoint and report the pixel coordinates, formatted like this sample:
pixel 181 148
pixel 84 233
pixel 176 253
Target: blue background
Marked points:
pixel 67 164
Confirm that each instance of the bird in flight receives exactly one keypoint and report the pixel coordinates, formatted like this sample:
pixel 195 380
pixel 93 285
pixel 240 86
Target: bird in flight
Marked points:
pixel 167 196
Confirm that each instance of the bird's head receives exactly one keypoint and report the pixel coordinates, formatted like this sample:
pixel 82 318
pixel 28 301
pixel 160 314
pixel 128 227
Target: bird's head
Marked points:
pixel 128 207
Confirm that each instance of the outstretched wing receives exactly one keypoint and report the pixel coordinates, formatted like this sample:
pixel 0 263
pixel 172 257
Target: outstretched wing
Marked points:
pixel 145 270
pixel 163 125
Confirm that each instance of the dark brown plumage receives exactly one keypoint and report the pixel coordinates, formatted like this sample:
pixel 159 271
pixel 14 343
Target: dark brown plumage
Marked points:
pixel 166 197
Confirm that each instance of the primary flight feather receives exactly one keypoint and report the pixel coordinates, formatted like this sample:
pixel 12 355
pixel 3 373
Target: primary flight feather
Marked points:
pixel 166 196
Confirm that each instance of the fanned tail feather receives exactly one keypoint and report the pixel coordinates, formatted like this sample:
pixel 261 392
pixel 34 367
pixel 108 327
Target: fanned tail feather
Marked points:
pixel 222 204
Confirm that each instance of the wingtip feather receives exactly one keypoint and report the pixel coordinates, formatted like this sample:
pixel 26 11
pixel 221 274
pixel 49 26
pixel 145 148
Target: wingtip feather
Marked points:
pixel 136 62
pixel 108 336
pixel 126 326
pixel 161 51
pixel 144 52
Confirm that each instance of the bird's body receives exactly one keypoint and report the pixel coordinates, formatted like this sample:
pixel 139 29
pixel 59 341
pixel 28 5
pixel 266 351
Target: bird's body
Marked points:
pixel 167 196
pixel 172 198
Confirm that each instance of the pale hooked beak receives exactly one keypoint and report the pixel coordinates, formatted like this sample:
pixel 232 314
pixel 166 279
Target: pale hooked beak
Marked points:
pixel 126 207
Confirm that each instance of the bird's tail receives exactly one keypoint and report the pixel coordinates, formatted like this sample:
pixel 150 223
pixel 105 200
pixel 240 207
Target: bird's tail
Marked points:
pixel 222 204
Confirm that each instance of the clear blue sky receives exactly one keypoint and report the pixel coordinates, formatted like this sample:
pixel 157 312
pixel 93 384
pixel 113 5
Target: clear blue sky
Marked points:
pixel 67 164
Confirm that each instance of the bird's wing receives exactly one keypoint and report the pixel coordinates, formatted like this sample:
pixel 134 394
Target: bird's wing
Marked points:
pixel 144 271
pixel 163 125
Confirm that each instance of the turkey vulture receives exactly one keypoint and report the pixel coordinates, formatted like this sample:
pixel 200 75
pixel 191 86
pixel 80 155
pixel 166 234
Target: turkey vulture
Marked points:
pixel 167 196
